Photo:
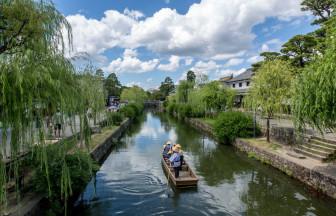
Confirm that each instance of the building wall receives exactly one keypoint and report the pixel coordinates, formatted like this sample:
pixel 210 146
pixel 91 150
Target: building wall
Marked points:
pixel 244 84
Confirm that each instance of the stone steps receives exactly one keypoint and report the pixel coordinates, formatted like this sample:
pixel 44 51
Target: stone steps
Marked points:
pixel 319 152
pixel 317 148
pixel 322 143
pixel 309 154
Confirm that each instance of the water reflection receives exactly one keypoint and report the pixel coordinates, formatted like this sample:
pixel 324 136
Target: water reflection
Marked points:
pixel 131 180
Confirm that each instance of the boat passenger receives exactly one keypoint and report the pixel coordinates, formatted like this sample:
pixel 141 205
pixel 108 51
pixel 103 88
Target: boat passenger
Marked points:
pixel 181 155
pixel 166 148
pixel 175 160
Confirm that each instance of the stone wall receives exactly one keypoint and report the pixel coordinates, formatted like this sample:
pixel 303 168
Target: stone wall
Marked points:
pixel 287 135
pixel 195 123
pixel 100 151
pixel 314 178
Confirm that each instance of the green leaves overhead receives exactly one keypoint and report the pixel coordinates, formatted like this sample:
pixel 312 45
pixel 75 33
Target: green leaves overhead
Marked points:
pixel 315 92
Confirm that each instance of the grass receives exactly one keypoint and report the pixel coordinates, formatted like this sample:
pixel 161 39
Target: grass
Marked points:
pixel 99 138
pixel 261 142
pixel 209 121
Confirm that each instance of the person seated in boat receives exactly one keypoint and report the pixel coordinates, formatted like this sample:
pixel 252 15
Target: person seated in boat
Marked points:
pixel 181 156
pixel 175 160
pixel 166 148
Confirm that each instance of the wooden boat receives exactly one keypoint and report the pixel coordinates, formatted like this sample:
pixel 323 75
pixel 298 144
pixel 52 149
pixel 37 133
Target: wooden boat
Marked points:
pixel 187 177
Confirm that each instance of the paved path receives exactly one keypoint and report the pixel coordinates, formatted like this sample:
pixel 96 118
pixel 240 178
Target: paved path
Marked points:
pixel 289 123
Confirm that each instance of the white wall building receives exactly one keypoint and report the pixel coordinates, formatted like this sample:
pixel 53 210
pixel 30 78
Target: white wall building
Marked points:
pixel 240 83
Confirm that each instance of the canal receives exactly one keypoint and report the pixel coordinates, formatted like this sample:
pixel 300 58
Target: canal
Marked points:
pixel 131 180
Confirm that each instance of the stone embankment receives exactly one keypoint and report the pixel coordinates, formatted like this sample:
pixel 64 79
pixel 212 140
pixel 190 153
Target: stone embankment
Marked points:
pixel 100 151
pixel 31 203
pixel 320 176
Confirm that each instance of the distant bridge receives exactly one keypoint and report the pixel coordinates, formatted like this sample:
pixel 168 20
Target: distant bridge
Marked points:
pixel 153 104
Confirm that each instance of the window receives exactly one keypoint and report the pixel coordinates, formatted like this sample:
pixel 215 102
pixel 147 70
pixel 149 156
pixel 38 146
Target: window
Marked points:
pixel 240 84
pixel 233 85
pixel 247 83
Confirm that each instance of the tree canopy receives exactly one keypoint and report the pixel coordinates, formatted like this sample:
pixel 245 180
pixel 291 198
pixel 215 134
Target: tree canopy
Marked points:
pixel 321 8
pixel 167 86
pixel 134 94
pixel 112 85
pixel 270 91
pixel 314 102
pixel 191 77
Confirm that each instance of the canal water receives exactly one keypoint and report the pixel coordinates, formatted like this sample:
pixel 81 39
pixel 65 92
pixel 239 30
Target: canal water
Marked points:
pixel 131 180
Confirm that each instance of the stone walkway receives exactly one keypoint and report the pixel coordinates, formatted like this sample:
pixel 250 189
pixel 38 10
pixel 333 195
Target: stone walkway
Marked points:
pixel 289 123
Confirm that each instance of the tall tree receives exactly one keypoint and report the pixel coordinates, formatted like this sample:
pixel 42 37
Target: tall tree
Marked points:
pixel 314 99
pixel 31 25
pixel 100 73
pixel 134 94
pixel 267 56
pixel 270 91
pixel 321 8
pixel 191 77
pixel 167 86
pixel 300 49
pixel 112 85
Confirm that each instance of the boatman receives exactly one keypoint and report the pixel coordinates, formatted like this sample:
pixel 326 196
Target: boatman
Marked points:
pixel 166 148
pixel 175 160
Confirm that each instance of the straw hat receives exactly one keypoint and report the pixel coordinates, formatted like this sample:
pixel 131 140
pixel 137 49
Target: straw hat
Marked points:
pixel 177 148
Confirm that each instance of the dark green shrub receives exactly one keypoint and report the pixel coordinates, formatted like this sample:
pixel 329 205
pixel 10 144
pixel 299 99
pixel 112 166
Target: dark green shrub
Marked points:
pixel 171 108
pixel 230 125
pixel 80 166
pixel 114 118
pixel 185 110
pixel 128 111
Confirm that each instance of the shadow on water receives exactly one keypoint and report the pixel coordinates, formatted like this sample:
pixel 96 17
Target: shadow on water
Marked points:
pixel 131 180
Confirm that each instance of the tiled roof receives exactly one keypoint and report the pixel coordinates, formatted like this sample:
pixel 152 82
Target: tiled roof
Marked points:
pixel 243 76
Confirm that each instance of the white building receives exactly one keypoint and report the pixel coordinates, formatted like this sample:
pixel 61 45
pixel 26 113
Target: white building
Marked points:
pixel 240 83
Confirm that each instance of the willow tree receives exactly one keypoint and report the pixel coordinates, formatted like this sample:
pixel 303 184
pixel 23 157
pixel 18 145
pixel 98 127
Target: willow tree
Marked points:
pixel 271 90
pixel 314 100
pixel 35 81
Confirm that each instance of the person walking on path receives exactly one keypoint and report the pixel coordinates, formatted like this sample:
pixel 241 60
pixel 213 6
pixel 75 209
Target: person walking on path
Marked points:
pixel 57 120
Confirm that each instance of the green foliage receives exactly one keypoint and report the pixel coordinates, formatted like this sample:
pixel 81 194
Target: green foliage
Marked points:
pixel 315 92
pixel 112 85
pixel 271 88
pixel 132 110
pixel 134 94
pixel 167 87
pixel 183 91
pixel 31 25
pixel 217 97
pixel 79 166
pixel 191 77
pixel 230 125
pixel 320 8
pixel 114 118
pixel 300 49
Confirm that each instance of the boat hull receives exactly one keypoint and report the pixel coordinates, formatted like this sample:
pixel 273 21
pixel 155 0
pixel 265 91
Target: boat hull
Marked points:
pixel 186 179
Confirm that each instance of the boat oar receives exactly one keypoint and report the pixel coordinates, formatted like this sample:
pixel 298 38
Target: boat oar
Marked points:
pixel 167 191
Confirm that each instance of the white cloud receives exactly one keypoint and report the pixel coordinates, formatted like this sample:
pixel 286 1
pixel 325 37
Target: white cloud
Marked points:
pixel 234 62
pixel 265 48
pixel 188 61
pixel 131 84
pixel 174 63
pixel 167 1
pixel 149 80
pixel 228 72
pixel 273 44
pixel 209 28
pixel 205 67
pixel 134 14
pixel 254 59
pixel 228 56
pixel 130 63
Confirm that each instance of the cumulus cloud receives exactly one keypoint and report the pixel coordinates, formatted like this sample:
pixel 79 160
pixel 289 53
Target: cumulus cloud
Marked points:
pixel 254 59
pixel 131 63
pixel 188 61
pixel 209 28
pixel 228 72
pixel 174 63
pixel 234 62
pixel 273 44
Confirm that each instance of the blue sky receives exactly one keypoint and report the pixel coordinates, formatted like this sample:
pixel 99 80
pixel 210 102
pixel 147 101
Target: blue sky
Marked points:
pixel 143 41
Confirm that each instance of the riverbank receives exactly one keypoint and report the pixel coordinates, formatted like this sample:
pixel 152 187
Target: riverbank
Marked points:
pixel 101 143
pixel 320 176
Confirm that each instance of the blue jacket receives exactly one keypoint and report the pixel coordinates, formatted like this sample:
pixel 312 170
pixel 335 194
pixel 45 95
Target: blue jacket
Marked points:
pixel 175 159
